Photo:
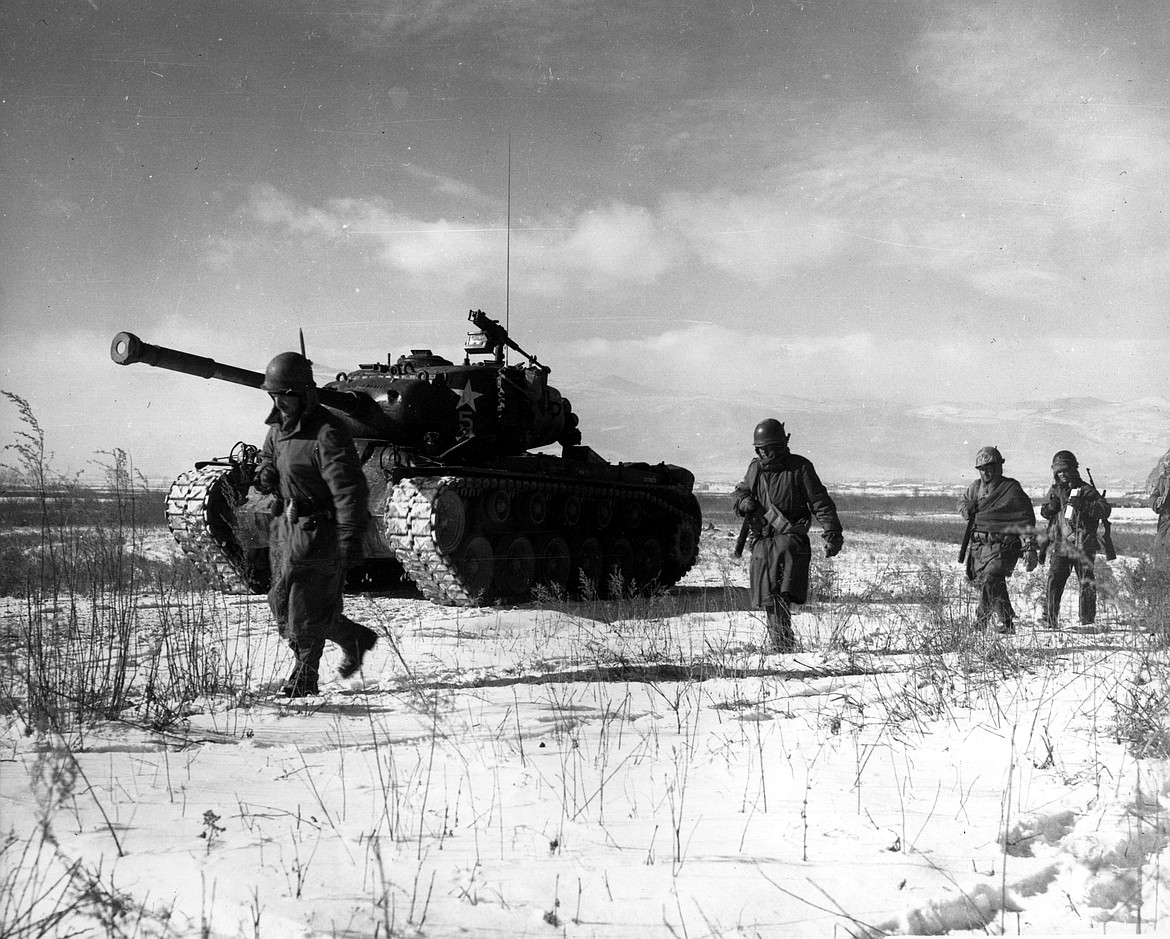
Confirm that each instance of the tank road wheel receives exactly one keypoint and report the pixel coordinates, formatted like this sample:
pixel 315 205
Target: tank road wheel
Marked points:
pixel 647 562
pixel 475 565
pixel 603 513
pixel 684 544
pixel 570 511
pixel 533 509
pixel 497 506
pixel 631 515
pixel 588 565
pixel 449 521
pixel 515 565
pixel 553 564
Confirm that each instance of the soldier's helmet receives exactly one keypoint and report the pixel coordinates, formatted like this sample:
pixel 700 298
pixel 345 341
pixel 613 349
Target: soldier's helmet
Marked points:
pixel 769 433
pixel 288 373
pixel 1064 460
pixel 986 456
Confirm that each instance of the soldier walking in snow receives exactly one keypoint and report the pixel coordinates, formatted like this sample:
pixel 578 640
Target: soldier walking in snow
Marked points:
pixel 1160 503
pixel 1001 524
pixel 1074 509
pixel 309 460
pixel 778 498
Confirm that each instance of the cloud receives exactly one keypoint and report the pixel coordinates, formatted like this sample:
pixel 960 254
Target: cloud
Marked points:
pixel 750 236
pixel 865 364
pixel 608 246
pixel 446 254
pixel 536 45
pixel 611 246
pixel 1058 110
pixel 1002 157
pixel 445 185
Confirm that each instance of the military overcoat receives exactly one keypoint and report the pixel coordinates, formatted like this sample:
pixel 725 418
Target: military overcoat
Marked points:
pixel 322 501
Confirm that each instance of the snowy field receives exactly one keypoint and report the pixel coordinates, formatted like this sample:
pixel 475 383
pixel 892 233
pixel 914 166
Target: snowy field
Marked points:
pixel 632 768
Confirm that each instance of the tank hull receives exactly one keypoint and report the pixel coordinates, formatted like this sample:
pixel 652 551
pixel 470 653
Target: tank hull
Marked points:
pixel 470 535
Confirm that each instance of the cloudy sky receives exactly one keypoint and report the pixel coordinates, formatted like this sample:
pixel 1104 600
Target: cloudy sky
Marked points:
pixel 920 201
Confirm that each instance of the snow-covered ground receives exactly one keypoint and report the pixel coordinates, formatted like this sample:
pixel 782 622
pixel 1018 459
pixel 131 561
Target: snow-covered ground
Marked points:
pixel 625 769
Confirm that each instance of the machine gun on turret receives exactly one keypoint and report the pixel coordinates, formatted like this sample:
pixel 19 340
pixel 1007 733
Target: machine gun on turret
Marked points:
pixel 492 338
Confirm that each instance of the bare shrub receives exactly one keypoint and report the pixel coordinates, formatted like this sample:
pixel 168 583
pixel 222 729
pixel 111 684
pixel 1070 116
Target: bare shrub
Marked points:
pixel 1142 710
pixel 82 572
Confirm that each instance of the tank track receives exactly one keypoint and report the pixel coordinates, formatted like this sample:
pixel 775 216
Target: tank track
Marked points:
pixel 197 509
pixel 453 541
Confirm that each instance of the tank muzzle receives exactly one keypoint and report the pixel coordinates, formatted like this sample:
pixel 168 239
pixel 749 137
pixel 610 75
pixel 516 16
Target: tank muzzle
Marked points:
pixel 126 349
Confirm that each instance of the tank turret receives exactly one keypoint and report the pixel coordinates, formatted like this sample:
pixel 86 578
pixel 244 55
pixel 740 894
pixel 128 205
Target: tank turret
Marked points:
pixel 421 402
pixel 458 502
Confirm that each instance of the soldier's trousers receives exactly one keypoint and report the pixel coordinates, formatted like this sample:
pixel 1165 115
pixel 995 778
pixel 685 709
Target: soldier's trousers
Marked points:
pixel 994 600
pixel 1058 572
pixel 779 578
pixel 308 584
pixel 1162 540
pixel 990 562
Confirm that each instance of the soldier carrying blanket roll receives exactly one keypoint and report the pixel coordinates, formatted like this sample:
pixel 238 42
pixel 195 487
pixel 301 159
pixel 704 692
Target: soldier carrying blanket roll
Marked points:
pixel 1003 529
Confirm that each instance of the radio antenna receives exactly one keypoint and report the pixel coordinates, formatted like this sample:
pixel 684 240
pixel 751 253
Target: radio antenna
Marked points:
pixel 508 248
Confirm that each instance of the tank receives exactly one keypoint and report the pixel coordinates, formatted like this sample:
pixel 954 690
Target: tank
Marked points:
pixel 459 503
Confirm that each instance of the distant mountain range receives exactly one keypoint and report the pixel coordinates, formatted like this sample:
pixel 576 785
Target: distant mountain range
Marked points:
pixel 855 440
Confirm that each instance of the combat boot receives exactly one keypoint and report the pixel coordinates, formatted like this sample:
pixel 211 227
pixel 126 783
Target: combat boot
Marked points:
pixel 780 636
pixel 358 641
pixel 1087 603
pixel 303 680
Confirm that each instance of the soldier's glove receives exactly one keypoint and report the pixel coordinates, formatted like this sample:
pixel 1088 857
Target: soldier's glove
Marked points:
pixel 268 479
pixel 1031 559
pixel 834 542
pixel 747 505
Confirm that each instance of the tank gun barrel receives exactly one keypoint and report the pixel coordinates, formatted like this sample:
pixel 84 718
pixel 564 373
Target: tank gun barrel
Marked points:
pixel 128 349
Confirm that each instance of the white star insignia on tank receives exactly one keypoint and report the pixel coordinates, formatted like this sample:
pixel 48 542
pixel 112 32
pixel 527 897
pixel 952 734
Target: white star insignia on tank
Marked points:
pixel 467 397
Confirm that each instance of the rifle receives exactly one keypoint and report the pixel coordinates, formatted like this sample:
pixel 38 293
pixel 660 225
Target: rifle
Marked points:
pixel 772 517
pixel 744 529
pixel 967 536
pixel 1106 525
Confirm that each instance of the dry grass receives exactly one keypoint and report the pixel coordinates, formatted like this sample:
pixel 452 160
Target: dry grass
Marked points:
pixel 81 651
